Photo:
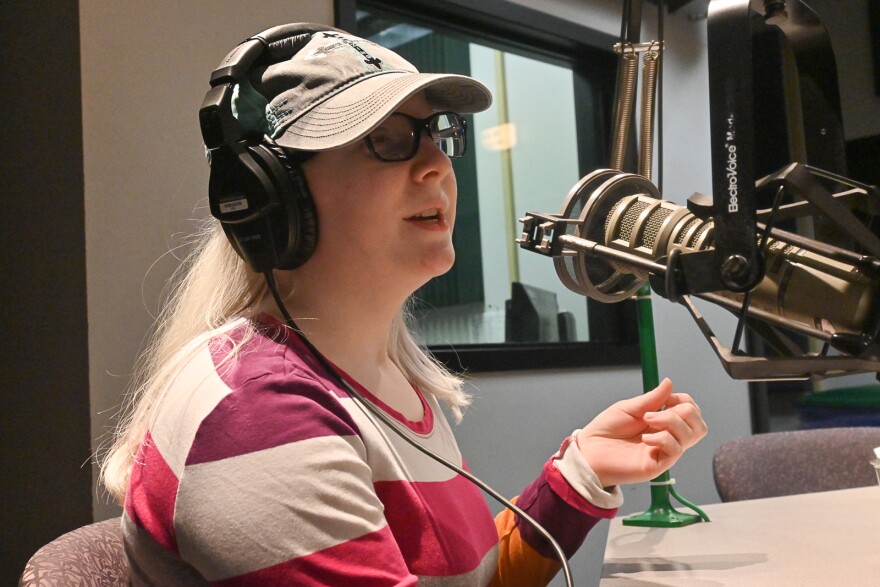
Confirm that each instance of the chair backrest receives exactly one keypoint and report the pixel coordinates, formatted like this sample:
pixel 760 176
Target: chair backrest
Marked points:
pixel 799 461
pixel 91 555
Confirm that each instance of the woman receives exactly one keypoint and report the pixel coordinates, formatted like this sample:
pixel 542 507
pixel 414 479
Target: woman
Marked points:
pixel 250 455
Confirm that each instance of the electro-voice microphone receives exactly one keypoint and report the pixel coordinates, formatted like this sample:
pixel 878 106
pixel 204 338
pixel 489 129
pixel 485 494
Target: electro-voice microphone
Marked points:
pixel 799 286
pixel 618 233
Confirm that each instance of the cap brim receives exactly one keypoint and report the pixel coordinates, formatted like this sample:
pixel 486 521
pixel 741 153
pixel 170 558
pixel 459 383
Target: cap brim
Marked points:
pixel 352 113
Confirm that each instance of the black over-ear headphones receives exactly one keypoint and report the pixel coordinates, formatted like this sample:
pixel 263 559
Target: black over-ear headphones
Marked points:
pixel 258 194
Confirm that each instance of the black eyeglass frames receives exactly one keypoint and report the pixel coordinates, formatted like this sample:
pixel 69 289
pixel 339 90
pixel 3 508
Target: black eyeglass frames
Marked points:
pixel 399 135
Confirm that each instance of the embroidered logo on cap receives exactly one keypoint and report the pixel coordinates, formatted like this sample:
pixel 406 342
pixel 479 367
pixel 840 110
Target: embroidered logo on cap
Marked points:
pixel 275 116
pixel 342 41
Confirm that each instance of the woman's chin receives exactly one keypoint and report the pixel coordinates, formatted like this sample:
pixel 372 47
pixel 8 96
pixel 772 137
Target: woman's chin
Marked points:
pixel 441 262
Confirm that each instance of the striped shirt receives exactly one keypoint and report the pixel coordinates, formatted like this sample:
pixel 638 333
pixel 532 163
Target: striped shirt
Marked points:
pixel 261 470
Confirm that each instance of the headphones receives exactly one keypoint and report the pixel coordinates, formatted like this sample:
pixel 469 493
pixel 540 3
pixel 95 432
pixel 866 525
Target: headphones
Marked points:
pixel 257 191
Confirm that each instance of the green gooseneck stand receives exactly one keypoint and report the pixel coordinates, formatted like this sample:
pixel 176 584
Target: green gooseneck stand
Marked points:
pixel 660 514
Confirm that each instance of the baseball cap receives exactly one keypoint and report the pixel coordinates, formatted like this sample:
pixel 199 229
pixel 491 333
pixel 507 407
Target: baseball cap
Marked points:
pixel 338 87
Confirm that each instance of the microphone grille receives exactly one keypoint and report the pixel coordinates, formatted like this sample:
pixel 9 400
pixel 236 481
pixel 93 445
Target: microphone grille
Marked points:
pixel 654 224
pixel 698 237
pixel 593 201
pixel 679 238
pixel 634 221
pixel 628 222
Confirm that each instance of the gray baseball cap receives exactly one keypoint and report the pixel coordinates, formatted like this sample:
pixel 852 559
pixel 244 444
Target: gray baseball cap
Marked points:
pixel 339 87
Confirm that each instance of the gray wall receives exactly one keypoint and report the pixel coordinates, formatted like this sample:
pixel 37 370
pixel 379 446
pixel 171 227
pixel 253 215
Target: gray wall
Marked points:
pixel 145 69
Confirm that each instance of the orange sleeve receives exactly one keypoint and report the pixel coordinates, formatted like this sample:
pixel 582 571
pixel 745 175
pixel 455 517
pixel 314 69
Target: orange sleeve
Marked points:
pixel 518 563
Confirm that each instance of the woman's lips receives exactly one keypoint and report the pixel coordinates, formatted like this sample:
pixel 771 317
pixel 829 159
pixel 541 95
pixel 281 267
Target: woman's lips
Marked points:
pixel 431 219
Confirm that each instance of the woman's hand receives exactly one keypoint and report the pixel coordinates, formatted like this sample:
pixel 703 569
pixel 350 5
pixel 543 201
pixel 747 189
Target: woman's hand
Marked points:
pixel 631 441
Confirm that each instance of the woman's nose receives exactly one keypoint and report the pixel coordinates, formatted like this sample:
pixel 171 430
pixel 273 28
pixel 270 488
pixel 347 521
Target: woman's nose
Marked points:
pixel 431 162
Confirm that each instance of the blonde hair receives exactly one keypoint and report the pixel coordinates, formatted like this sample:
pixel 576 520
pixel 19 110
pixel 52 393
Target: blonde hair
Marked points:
pixel 211 288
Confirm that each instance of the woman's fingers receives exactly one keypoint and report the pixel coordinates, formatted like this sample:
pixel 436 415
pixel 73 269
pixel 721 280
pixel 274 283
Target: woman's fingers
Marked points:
pixel 665 442
pixel 683 421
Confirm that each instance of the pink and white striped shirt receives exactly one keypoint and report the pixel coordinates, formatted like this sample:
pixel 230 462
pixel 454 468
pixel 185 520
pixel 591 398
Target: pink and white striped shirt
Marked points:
pixel 260 470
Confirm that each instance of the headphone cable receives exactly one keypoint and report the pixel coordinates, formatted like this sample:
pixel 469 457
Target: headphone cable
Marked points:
pixel 395 427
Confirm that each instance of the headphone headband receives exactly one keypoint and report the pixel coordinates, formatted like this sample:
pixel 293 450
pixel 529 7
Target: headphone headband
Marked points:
pixel 280 43
pixel 259 196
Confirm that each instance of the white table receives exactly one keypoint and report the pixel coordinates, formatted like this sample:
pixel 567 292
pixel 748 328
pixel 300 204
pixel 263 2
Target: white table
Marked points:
pixel 824 539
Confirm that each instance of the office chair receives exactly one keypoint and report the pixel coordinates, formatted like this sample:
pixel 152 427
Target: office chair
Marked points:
pixel 91 555
pixel 799 461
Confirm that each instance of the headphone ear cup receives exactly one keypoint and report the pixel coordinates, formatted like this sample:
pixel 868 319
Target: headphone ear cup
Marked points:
pixel 244 198
pixel 299 227
pixel 264 205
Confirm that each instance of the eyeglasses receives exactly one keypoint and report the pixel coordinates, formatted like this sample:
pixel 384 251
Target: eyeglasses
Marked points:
pixel 399 136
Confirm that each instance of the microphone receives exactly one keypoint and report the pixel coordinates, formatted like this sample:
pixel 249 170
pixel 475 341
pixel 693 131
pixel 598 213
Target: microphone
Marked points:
pixel 614 233
pixel 799 286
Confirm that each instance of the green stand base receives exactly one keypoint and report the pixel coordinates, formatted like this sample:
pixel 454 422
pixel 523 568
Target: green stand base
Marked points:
pixel 662 518
pixel 661 514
